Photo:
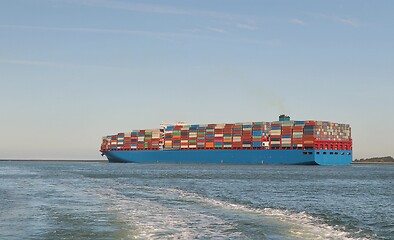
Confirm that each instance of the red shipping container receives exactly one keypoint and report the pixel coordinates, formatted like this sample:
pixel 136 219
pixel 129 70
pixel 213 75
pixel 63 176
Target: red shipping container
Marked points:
pixel 298 128
pixel 310 123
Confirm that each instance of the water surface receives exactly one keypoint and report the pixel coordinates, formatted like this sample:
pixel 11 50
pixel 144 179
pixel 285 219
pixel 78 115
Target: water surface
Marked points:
pixel 60 200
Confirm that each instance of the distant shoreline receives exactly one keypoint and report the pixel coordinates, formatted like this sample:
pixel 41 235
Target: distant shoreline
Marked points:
pixel 375 160
pixel 372 163
pixel 48 160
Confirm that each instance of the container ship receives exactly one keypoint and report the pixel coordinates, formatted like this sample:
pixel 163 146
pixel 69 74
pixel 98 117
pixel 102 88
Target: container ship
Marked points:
pixel 278 142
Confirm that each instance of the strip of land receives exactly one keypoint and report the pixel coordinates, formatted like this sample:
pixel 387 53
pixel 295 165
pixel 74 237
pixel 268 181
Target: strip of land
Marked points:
pixel 375 160
pixel 50 160
pixel 372 162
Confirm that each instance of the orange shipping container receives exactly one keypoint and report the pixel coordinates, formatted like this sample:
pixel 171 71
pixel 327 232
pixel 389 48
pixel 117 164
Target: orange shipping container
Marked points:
pixel 209 145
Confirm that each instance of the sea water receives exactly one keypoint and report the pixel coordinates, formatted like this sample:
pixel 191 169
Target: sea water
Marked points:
pixel 79 200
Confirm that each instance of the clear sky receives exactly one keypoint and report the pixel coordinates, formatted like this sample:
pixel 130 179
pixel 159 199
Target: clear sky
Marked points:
pixel 72 71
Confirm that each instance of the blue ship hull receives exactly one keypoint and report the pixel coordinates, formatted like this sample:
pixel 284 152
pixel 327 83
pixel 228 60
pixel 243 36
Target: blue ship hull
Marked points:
pixel 300 157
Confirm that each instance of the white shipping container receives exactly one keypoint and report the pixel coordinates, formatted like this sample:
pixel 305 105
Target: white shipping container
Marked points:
pixel 275 132
pixel 127 134
pixel 298 133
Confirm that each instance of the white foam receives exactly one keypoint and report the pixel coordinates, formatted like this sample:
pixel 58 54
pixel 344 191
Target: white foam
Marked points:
pixel 300 224
pixel 307 226
pixel 150 218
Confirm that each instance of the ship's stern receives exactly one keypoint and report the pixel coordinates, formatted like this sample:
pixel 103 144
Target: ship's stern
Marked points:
pixel 333 157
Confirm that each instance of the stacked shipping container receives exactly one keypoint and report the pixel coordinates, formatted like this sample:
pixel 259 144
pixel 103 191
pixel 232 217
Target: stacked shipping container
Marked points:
pixel 237 136
pixel 333 136
pixel 297 134
pixel 135 140
pixel 284 134
pixel 228 136
pixel 275 135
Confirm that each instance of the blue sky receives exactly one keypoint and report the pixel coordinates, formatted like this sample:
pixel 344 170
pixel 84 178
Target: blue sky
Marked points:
pixel 72 71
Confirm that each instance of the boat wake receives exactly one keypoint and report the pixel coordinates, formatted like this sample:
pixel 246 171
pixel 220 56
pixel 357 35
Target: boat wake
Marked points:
pixel 154 213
